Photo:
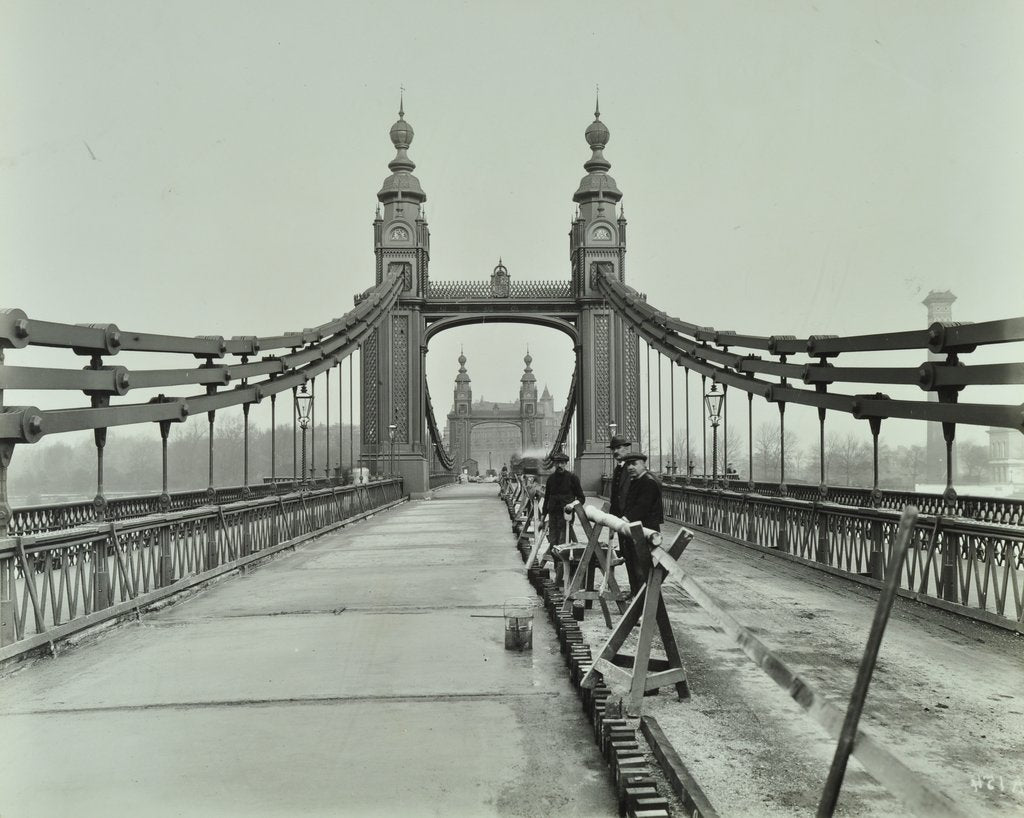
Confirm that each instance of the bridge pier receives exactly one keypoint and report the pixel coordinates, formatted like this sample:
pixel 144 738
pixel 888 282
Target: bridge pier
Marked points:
pixel 590 466
pixel 415 473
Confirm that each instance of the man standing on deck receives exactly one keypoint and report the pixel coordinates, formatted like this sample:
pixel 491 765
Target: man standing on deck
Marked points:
pixel 561 489
pixel 643 500
pixel 620 486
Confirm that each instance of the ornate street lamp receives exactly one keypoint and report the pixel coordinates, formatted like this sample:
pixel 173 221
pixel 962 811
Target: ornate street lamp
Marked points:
pixel 611 433
pixel 713 403
pixel 391 438
pixel 303 407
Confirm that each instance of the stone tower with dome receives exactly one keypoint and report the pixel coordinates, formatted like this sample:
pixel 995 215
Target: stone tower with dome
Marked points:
pixel 610 350
pixel 485 434
pixel 401 237
pixel 391 359
pixel 394 395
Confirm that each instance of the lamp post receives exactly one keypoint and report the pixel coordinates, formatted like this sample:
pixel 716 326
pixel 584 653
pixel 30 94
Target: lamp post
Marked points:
pixel 303 407
pixel 611 457
pixel 713 403
pixel 391 438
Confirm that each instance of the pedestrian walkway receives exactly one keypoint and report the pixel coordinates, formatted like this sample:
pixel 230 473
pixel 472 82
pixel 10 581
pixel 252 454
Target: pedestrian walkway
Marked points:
pixel 365 674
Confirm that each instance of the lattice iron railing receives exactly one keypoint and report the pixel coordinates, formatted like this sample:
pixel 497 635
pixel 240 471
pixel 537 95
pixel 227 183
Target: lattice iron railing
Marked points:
pixel 55 584
pixel 517 290
pixel 995 510
pixel 47 517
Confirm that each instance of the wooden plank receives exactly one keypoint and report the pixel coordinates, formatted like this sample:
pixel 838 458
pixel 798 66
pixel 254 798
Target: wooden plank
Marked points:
pixel 664 678
pixel 834 782
pixel 617 637
pixel 882 764
pixel 613 673
pixel 652 596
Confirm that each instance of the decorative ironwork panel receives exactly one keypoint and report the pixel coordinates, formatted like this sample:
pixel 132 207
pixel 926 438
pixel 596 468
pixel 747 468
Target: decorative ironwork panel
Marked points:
pixel 602 374
pixel 540 289
pixel 370 367
pixel 631 364
pixel 65 576
pixel 472 290
pixel 400 376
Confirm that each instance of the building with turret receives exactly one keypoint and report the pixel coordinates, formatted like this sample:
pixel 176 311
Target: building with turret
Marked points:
pixel 395 411
pixel 484 435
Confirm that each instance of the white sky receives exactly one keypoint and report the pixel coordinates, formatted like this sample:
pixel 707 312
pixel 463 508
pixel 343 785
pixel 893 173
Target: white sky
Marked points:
pixel 788 167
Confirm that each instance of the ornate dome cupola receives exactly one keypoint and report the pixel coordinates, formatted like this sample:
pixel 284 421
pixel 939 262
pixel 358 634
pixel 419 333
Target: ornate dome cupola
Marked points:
pixel 401 184
pixel 528 384
pixel 597 185
pixel 597 239
pixel 463 391
pixel 400 234
pixel 528 376
pixel 463 376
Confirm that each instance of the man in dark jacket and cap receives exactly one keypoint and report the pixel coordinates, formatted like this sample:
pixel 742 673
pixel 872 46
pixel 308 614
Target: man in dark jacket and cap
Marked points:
pixel 643 500
pixel 562 488
pixel 620 486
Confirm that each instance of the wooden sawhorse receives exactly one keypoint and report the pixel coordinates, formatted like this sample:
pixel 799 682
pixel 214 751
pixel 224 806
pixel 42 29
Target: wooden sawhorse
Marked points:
pixel 641 673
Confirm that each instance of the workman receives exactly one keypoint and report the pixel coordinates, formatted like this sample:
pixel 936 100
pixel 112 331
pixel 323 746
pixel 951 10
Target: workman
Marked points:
pixel 561 489
pixel 619 488
pixel 643 499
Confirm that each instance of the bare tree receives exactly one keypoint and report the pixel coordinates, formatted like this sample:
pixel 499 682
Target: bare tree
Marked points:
pixel 972 462
pixel 768 453
pixel 848 460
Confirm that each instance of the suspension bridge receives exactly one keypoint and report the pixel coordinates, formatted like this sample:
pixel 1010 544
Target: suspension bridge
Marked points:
pixel 199 686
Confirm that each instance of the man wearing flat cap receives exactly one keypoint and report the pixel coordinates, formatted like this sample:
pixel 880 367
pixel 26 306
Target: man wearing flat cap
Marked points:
pixel 620 486
pixel 562 488
pixel 643 500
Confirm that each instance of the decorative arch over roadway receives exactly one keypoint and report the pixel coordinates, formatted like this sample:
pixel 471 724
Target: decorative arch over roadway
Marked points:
pixel 558 322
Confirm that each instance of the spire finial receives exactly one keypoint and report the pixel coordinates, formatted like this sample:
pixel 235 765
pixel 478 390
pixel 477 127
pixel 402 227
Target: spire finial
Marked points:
pixel 401 101
pixel 597 102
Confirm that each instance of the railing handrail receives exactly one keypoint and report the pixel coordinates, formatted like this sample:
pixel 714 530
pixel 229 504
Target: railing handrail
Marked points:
pixel 119 509
pixel 1008 510
pixel 98 529
pixel 968 566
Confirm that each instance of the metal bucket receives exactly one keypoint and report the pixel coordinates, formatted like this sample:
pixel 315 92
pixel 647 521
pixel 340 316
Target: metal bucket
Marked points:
pixel 518 614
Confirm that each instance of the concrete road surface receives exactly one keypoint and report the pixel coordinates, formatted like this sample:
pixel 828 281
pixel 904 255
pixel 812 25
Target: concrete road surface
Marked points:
pixel 364 675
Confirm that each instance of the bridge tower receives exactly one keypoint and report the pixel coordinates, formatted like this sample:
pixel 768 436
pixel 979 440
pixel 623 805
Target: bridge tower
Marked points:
pixel 392 360
pixel 460 428
pixel 530 422
pixel 609 351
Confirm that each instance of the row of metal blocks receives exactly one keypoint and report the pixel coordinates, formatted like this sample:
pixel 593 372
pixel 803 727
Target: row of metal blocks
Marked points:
pixel 616 736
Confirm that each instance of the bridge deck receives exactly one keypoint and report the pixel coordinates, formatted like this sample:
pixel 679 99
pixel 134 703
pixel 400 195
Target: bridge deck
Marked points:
pixel 947 696
pixel 364 674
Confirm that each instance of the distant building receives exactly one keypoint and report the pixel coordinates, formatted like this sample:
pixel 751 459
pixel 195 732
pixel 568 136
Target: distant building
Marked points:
pixel 1006 457
pixel 485 434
